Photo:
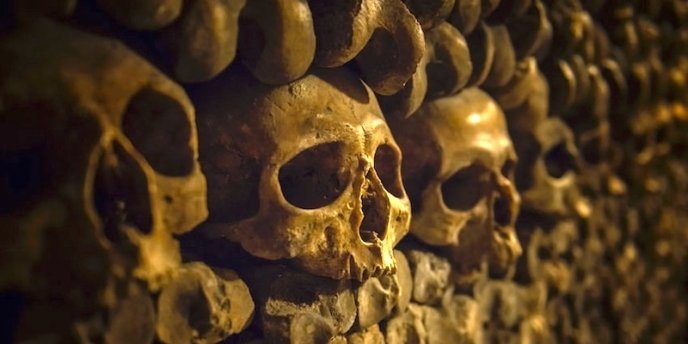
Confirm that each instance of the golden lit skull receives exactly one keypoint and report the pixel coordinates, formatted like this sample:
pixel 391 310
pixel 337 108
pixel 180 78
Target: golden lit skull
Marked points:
pixel 457 169
pixel 306 171
pixel 98 162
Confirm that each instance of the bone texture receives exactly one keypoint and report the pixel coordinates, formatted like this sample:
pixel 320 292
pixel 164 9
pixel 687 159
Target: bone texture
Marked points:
pixel 343 171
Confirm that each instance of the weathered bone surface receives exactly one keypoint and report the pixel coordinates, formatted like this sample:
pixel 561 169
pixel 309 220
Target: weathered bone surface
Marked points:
pixel 370 335
pixel 482 43
pixel 114 174
pixel 302 308
pixel 277 39
pixel 202 305
pixel 143 14
pixel 548 181
pixel 404 279
pixel 444 70
pixel 321 177
pixel 504 64
pixel 531 33
pixel 98 171
pixel 202 43
pixel 466 15
pixel 430 276
pixel 458 177
pixel 382 35
pixel 549 255
pixel 430 13
pixel 407 327
pixel 376 298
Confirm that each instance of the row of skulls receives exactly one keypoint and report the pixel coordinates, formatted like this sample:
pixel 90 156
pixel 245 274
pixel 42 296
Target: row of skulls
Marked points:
pixel 289 160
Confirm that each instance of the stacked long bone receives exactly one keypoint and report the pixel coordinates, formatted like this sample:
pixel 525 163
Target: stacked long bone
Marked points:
pixel 331 218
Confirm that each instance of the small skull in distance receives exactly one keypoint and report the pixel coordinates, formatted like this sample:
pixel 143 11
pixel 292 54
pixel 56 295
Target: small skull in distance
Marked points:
pixel 458 168
pixel 547 174
pixel 306 171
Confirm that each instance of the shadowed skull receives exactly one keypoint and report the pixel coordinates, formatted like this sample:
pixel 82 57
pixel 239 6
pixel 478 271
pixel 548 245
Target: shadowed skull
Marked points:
pixel 458 162
pixel 306 171
pixel 98 165
pixel 547 174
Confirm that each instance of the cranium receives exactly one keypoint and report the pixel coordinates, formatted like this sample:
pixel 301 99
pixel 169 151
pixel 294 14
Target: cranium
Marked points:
pixel 547 174
pixel 100 150
pixel 458 161
pixel 306 171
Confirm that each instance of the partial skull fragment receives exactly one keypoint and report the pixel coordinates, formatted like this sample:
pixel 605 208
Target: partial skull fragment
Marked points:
pixel 298 307
pixel 202 305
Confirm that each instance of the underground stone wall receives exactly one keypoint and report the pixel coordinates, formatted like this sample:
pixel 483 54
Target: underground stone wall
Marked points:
pixel 352 171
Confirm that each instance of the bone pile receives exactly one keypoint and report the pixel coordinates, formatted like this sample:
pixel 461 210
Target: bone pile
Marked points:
pixel 344 171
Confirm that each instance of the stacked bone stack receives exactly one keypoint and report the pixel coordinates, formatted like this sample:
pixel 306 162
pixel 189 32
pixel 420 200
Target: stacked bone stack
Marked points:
pixel 343 171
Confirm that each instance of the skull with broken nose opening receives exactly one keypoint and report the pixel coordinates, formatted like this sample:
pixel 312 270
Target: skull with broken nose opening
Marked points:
pixel 306 171
pixel 458 171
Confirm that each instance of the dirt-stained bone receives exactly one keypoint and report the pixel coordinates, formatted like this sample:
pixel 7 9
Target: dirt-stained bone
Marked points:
pixel 382 35
pixel 405 280
pixel 430 276
pixel 547 177
pixel 430 13
pixel 113 172
pixel 320 172
pixel 202 305
pixel 143 14
pixel 300 306
pixel 376 298
pixel 370 335
pixel 466 15
pixel 277 39
pixel 531 33
pixel 407 327
pixel 459 180
pixel 203 42
pixel 444 70
pixel 504 63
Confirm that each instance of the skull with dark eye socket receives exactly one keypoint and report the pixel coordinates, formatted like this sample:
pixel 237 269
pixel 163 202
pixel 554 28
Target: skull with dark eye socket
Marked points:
pixel 306 171
pixel 99 169
pixel 458 170
pixel 547 173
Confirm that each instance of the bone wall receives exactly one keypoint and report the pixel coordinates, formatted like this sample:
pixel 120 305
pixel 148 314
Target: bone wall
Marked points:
pixel 343 171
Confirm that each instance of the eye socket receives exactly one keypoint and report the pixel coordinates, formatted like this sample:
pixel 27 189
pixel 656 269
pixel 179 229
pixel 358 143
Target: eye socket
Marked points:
pixel 315 177
pixel 387 166
pixel 159 128
pixel 463 190
pixel 120 194
pixel 558 161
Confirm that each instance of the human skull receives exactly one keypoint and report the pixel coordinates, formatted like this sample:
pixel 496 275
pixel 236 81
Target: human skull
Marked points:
pixel 458 163
pixel 307 171
pixel 98 164
pixel 547 174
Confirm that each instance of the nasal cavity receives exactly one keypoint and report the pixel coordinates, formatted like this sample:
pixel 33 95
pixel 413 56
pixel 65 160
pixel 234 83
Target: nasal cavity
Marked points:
pixel 502 211
pixel 558 161
pixel 121 195
pixel 375 210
